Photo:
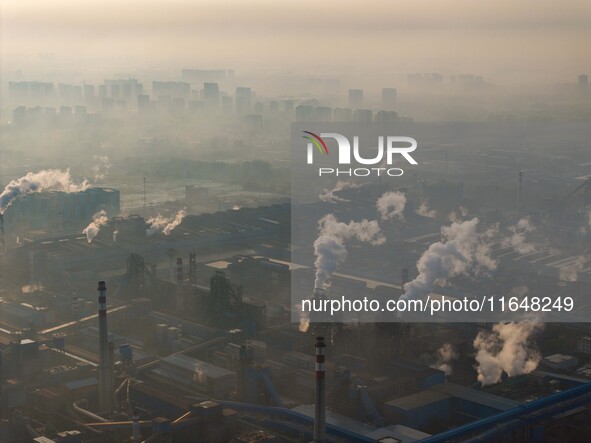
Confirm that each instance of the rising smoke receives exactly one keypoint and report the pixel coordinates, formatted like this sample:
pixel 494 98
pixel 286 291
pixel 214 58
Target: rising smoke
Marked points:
pixel 571 271
pixel 424 211
pixel 457 216
pixel 165 224
pixel 391 205
pixel 330 196
pixel 329 247
pixel 92 230
pixel 462 251
pixel 508 348
pixel 304 319
pixel 47 179
pixel 445 357
pixel 101 167
pixel 517 240
pixel 29 289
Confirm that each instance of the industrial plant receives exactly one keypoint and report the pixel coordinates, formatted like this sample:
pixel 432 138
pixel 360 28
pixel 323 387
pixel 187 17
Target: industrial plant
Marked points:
pixel 294 222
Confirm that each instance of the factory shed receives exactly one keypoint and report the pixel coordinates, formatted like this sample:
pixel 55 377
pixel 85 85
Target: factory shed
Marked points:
pixel 469 402
pixel 418 410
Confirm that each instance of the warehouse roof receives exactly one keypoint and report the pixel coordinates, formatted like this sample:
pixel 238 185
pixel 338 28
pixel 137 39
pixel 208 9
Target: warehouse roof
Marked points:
pixel 476 396
pixel 417 400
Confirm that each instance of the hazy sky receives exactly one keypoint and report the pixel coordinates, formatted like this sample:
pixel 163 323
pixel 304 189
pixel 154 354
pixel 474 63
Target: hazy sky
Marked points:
pixel 548 40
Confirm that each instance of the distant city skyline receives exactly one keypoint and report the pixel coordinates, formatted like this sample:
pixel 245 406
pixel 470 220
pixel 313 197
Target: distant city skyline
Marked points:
pixel 509 41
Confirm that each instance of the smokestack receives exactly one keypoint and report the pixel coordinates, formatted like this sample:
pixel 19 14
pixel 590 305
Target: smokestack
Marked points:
pixel 104 368
pixel 320 410
pixel 179 282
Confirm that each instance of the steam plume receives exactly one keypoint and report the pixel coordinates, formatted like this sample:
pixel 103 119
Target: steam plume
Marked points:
pixel 101 168
pixel 28 289
pixel 517 240
pixel 330 196
pixel 304 319
pixel 424 211
pixel 571 272
pixel 391 205
pixel 445 356
pixel 165 224
pixel 506 349
pixel 47 179
pixel 92 230
pixel 329 247
pixel 462 251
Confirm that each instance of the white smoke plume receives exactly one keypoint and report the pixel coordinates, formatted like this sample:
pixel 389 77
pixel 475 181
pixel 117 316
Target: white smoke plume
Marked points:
pixel 115 234
pixel 517 240
pixel 424 211
pixel 454 216
pixel 101 167
pixel 571 272
pixel 329 247
pixel 45 180
pixel 165 224
pixel 92 230
pixel 28 289
pixel 445 356
pixel 199 376
pixel 177 220
pixel 462 251
pixel 507 348
pixel 304 319
pixel 391 205
pixel 330 196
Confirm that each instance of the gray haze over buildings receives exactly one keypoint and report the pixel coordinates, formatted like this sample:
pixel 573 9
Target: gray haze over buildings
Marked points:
pixel 149 145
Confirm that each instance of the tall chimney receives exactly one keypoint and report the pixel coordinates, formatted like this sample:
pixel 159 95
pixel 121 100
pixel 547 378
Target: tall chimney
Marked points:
pixel 179 283
pixel 320 410
pixel 104 368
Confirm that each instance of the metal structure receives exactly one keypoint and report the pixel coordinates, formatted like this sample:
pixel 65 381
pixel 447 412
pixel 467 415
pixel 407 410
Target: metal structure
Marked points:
pixel 192 268
pixel 223 295
pixel 522 416
pixel 179 285
pixel 320 400
pixel 105 370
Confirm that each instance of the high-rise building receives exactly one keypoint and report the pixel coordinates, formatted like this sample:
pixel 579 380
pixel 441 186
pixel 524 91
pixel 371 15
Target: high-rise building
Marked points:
pixel 211 95
pixel 356 97
pixel 583 81
pixel 243 99
pixel 388 97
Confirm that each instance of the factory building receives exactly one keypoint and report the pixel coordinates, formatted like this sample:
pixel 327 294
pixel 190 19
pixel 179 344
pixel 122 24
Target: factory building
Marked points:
pixel 202 375
pixel 44 213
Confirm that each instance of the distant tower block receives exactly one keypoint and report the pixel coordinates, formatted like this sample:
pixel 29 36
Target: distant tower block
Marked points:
pixel 356 97
pixel 583 82
pixel 388 97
